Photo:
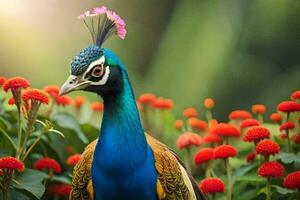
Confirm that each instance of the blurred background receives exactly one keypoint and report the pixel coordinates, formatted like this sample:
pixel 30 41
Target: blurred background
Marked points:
pixel 237 52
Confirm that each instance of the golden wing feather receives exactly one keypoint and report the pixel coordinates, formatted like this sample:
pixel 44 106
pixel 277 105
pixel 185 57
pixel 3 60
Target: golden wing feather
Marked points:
pixel 82 188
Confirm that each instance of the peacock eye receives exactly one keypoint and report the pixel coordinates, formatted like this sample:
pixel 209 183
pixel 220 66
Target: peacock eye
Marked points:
pixel 98 71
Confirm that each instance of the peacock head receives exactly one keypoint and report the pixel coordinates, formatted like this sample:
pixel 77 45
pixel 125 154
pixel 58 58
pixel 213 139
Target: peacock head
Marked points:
pixel 95 68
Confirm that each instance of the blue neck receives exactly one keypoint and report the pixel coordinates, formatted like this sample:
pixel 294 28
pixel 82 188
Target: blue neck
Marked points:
pixel 121 133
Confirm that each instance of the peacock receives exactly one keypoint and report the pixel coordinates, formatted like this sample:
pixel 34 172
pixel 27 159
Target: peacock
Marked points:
pixel 124 163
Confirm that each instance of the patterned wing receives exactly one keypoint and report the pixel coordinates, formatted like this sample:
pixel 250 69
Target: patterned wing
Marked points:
pixel 174 181
pixel 82 188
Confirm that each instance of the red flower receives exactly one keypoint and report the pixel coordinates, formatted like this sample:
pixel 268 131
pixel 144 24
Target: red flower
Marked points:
pixel 259 109
pixel 52 90
pixel 224 151
pixel 15 83
pixel 204 155
pixel 35 95
pixel 178 124
pixel 275 117
pixel 162 103
pixel 147 98
pixel 249 122
pixel 11 163
pixel 282 135
pixel 288 106
pixel 212 138
pixel 62 190
pixel 256 133
pixel 197 124
pixel 295 95
pixel 97 107
pixel 209 103
pixel 79 101
pixel 2 80
pixel 267 147
pixel 287 126
pixel 11 101
pixel 188 139
pixel 73 159
pixel 271 169
pixel 292 180
pixel 250 157
pixel 190 112
pixel 212 185
pixel 296 138
pixel 239 114
pixel 212 123
pixel 63 100
pixel 224 129
pixel 47 163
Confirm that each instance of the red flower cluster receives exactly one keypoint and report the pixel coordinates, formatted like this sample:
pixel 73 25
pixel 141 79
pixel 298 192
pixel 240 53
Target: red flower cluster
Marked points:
pixel 61 190
pixel 63 100
pixel 197 124
pixel 162 103
pixel 292 180
pixel 47 163
pixel 259 109
pixel 224 129
pixel 296 138
pixel 11 163
pixel 267 147
pixel 287 126
pixel 79 101
pixel 250 157
pixel 256 133
pixel 295 95
pixel 239 114
pixel 190 112
pixel 179 124
pixel 2 80
pixel 52 90
pixel 209 103
pixel 288 106
pixel 212 138
pixel 73 159
pixel 188 139
pixel 15 83
pixel 36 95
pixel 212 185
pixel 147 99
pixel 97 106
pixel 271 169
pixel 11 101
pixel 204 155
pixel 224 151
pixel 249 122
pixel 275 117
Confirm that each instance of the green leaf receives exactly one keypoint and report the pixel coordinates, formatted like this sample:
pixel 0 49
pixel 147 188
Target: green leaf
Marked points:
pixel 289 157
pixel 31 181
pixel 67 121
pixel 90 131
pixel 262 191
pixel 282 190
pixel 250 178
pixel 61 179
pixel 242 171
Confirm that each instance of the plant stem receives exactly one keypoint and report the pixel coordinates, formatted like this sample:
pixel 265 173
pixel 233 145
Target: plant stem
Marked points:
pixel 9 139
pixel 4 194
pixel 33 144
pixel 229 181
pixel 268 197
pixel 187 159
pixel 213 196
pixel 19 133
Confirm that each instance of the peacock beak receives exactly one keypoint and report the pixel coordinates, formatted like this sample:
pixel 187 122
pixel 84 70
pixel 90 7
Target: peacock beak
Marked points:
pixel 69 86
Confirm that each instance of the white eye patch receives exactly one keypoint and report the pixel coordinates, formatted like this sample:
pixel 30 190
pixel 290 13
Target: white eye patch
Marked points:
pixel 105 77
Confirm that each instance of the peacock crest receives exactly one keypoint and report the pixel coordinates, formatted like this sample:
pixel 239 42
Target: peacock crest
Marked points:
pixel 102 23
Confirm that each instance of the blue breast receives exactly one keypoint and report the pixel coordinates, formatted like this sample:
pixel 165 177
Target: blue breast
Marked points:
pixel 117 184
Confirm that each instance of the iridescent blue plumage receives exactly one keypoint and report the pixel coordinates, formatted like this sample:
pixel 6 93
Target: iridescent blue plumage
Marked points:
pixel 122 157
pixel 80 62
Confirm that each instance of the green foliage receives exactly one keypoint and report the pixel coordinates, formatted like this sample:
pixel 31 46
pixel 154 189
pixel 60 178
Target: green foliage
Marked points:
pixel 288 158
